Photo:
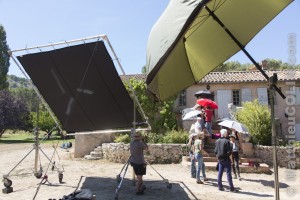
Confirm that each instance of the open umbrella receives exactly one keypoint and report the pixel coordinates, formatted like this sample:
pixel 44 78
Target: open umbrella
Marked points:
pixel 191 38
pixel 207 102
pixel 203 94
pixel 191 114
pixel 239 127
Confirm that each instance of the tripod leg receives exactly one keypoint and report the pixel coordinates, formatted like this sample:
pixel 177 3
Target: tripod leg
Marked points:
pixel 5 176
pixel 48 158
pixel 120 184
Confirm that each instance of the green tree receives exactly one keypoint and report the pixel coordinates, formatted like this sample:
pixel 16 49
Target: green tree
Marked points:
pixel 160 114
pixel 4 59
pixel 273 64
pixel 26 95
pixel 13 113
pixel 257 118
pixel 231 66
pixel 45 121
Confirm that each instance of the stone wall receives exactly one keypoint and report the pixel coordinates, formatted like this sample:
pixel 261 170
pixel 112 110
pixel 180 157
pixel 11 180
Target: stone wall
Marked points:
pixel 266 154
pixel 158 153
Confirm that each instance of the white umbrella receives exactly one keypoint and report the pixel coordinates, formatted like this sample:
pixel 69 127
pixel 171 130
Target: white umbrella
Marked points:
pixel 191 114
pixel 239 127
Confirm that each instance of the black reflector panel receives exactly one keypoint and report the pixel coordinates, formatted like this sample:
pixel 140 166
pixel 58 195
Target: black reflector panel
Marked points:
pixel 82 87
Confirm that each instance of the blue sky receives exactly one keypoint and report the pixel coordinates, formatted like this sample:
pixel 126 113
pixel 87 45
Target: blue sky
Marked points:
pixel 127 25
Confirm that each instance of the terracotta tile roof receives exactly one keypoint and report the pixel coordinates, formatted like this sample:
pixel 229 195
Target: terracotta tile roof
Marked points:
pixel 136 76
pixel 237 76
pixel 249 76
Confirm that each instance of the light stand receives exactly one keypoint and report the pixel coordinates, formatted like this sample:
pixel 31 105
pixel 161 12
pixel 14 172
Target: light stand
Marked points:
pixel 273 81
pixel 273 88
pixel 37 172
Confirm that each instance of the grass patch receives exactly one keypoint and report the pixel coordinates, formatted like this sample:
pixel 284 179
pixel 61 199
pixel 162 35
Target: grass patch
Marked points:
pixel 10 137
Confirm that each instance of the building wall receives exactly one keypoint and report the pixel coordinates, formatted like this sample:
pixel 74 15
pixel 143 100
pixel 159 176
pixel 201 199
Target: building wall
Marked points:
pixel 280 104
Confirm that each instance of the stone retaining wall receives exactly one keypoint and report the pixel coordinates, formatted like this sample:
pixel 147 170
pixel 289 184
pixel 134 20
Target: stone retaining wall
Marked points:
pixel 158 153
pixel 266 154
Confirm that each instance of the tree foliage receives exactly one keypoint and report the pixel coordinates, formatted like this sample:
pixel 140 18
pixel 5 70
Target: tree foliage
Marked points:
pixel 26 95
pixel 272 64
pixel 4 59
pixel 231 66
pixel 257 118
pixel 44 121
pixel 13 113
pixel 160 114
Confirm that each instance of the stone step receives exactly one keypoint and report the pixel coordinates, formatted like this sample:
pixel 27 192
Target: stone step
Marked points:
pixel 99 151
pixel 206 159
pixel 89 157
pixel 247 160
pixel 95 154
pixel 244 167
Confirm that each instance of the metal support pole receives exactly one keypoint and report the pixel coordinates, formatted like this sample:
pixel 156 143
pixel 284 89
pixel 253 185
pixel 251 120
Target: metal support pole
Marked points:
pixel 272 88
pixel 36 140
pixel 36 91
pixel 273 80
pixel 242 48
pixel 131 88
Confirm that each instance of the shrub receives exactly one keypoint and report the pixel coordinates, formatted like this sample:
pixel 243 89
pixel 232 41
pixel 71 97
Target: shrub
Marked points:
pixel 153 138
pixel 257 118
pixel 125 138
pixel 176 137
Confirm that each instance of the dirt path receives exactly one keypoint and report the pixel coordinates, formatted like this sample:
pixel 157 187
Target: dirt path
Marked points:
pixel 100 177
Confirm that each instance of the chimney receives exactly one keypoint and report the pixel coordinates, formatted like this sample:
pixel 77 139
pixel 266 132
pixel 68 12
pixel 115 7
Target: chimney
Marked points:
pixel 264 64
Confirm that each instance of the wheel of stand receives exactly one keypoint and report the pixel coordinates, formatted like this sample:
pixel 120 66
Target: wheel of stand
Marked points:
pixel 60 178
pixel 39 175
pixel 118 178
pixel 7 183
pixel 169 186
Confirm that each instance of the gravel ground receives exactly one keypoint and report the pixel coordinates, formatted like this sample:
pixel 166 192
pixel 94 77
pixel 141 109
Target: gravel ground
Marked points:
pixel 100 177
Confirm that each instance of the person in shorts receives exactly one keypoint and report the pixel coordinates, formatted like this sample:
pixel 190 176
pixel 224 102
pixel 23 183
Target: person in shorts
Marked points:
pixel 137 161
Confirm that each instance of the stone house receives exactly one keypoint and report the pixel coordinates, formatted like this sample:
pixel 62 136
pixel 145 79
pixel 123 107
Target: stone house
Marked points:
pixel 241 86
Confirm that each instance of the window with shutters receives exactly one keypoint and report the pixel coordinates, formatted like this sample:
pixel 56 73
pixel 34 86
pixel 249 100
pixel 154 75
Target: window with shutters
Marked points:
pixel 236 97
pixel 182 98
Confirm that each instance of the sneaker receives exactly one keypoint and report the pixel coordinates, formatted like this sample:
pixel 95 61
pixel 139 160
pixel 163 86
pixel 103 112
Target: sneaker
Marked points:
pixel 239 177
pixel 140 193
pixel 221 189
pixel 205 179
pixel 234 190
pixel 192 176
pixel 235 177
pixel 199 182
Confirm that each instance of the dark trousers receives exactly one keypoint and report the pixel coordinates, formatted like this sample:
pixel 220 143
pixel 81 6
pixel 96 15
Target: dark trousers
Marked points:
pixel 222 165
pixel 235 163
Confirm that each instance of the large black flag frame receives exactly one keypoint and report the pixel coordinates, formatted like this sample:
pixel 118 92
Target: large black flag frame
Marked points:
pixel 80 84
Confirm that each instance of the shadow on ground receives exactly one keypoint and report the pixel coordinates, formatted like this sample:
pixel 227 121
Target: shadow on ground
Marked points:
pixel 214 183
pixel 105 188
pixel 267 183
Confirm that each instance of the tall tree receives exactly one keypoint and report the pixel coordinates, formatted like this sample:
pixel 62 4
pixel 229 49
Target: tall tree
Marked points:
pixel 160 114
pixel 13 113
pixel 4 59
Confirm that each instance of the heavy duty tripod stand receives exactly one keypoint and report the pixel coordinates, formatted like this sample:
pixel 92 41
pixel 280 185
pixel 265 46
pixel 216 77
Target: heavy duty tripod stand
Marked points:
pixel 38 171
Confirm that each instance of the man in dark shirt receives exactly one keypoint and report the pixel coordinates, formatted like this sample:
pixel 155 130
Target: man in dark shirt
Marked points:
pixel 223 150
pixel 137 160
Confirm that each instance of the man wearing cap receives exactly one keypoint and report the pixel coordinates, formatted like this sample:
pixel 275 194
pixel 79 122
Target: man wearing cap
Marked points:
pixel 137 146
pixel 223 151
